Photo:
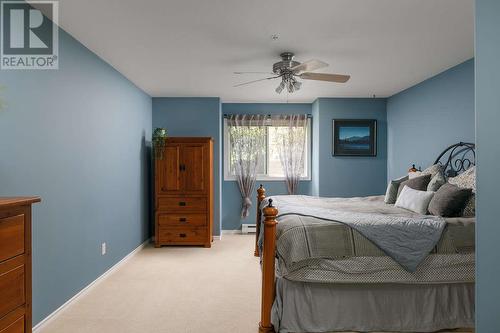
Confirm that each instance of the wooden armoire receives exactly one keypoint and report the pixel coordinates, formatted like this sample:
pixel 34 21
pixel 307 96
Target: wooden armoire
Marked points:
pixel 184 192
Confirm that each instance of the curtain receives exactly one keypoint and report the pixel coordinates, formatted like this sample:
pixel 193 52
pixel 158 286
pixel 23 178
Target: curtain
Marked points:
pixel 247 136
pixel 291 142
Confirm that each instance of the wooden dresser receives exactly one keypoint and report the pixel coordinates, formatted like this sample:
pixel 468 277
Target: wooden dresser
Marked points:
pixel 184 192
pixel 15 264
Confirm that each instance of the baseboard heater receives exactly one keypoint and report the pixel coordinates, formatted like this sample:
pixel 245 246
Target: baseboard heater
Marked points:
pixel 248 228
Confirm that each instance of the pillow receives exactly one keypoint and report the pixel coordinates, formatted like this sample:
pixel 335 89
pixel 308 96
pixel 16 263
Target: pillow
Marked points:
pixel 432 170
pixel 467 179
pixel 470 207
pixel 419 183
pixel 449 200
pixel 414 200
pixel 436 182
pixel 392 190
pixel 414 174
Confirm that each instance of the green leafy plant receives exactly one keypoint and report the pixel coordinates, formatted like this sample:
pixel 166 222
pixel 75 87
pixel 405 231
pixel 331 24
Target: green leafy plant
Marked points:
pixel 159 141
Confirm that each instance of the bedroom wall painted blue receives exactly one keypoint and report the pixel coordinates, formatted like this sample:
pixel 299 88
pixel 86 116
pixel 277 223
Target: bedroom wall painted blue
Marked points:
pixel 78 137
pixel 199 116
pixel 428 117
pixel 231 197
pixel 315 150
pixel 349 176
pixel 488 154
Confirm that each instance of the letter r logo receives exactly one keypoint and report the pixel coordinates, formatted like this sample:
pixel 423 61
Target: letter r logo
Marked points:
pixel 25 30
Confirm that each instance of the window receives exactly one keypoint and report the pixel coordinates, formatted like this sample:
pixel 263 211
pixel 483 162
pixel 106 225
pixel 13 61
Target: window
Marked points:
pixel 269 167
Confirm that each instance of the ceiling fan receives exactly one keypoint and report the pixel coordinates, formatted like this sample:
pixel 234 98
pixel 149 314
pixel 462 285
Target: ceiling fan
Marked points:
pixel 289 70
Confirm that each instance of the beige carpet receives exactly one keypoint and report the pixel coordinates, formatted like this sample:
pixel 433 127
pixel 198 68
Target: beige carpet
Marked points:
pixel 173 290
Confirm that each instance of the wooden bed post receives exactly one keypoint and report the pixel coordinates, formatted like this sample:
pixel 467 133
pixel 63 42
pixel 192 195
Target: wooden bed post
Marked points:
pixel 261 195
pixel 268 257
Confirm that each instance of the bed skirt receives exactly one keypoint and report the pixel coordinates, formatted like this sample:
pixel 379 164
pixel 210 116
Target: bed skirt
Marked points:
pixel 317 307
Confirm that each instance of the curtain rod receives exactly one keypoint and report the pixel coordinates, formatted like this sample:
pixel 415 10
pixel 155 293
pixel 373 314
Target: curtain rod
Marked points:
pixel 226 115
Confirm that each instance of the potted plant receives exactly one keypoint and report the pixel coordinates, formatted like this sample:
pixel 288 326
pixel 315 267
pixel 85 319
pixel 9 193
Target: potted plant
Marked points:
pixel 159 136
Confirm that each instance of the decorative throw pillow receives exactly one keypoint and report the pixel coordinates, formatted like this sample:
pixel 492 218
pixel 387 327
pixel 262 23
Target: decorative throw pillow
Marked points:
pixel 467 179
pixel 470 207
pixel 414 174
pixel 419 183
pixel 392 190
pixel 414 200
pixel 449 200
pixel 436 182
pixel 433 170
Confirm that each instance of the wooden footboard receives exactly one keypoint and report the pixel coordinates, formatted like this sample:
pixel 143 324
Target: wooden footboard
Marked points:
pixel 268 257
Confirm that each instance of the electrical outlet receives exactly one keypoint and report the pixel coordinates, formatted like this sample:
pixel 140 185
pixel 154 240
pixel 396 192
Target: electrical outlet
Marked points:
pixel 103 248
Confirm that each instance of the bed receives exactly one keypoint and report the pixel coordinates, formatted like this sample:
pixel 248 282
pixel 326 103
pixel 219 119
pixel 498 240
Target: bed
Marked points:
pixel 359 264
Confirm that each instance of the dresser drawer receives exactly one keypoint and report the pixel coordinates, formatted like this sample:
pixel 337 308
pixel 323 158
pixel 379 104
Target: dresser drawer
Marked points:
pixel 11 236
pixel 180 220
pixel 182 204
pixel 11 285
pixel 183 235
pixel 14 322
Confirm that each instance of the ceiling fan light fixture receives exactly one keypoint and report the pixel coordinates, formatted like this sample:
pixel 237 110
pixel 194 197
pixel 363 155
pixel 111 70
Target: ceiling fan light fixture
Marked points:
pixel 280 88
pixel 289 69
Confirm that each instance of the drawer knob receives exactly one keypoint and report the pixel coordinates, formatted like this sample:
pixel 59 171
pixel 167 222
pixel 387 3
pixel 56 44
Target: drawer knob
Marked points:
pixel 182 235
pixel 182 219
pixel 182 203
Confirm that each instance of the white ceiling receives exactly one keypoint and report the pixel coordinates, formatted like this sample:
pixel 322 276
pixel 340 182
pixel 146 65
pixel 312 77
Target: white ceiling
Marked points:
pixel 192 47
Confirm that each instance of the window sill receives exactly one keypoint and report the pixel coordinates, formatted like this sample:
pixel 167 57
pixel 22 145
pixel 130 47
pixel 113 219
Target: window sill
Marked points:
pixel 268 179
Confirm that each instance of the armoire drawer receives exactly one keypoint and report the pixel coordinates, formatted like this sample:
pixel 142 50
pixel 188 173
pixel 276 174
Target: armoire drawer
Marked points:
pixel 183 235
pixel 182 204
pixel 11 237
pixel 182 220
pixel 12 274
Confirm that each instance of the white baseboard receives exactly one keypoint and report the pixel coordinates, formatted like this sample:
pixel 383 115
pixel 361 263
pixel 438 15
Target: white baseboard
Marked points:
pixel 54 314
pixel 231 232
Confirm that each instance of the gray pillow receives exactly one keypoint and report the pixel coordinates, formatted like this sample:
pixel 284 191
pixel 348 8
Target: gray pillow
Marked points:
pixel 470 207
pixel 433 170
pixel 449 201
pixel 392 190
pixel 418 183
pixel 436 182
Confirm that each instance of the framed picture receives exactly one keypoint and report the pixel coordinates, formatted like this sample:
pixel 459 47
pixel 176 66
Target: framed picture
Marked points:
pixel 354 137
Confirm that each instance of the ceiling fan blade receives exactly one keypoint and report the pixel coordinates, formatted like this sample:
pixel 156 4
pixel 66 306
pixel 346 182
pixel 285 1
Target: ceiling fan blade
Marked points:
pixel 264 79
pixel 325 77
pixel 308 66
pixel 269 73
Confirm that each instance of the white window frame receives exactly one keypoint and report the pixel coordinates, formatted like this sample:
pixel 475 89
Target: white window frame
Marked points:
pixel 308 156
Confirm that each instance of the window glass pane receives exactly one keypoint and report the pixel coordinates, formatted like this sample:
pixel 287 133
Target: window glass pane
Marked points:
pixel 275 169
pixel 246 131
pixel 270 164
pixel 275 134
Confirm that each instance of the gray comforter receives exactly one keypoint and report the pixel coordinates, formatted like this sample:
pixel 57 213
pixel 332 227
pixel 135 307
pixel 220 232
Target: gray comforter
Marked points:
pixel 404 236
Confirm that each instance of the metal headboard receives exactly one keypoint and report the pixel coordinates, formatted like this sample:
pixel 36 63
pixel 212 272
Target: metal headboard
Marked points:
pixel 457 158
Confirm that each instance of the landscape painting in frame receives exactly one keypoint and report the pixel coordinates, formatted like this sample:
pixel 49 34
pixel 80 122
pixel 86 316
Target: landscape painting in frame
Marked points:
pixel 353 137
